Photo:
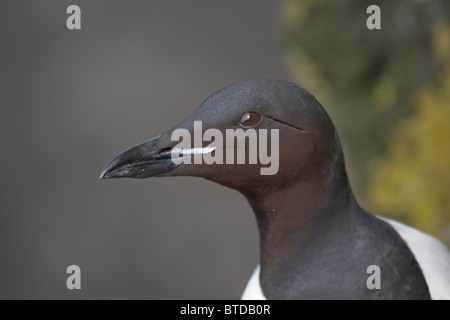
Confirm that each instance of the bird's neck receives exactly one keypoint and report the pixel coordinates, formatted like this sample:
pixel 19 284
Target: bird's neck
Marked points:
pixel 289 219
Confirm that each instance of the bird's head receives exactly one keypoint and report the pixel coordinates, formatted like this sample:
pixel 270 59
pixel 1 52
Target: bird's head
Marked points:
pixel 279 130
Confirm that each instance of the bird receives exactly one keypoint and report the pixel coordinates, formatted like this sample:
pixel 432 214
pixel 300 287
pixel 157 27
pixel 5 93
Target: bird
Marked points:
pixel 316 241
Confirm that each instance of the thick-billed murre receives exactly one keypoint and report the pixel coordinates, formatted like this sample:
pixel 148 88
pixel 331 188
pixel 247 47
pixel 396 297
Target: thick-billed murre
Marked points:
pixel 316 242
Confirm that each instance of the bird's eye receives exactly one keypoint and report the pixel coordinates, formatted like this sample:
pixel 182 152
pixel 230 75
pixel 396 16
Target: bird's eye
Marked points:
pixel 250 119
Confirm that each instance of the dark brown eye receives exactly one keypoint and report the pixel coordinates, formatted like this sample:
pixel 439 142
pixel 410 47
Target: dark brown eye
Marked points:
pixel 250 119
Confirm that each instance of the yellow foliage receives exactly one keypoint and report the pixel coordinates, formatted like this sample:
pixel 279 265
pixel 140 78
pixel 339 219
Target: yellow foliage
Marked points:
pixel 294 12
pixel 441 40
pixel 413 179
pixel 384 93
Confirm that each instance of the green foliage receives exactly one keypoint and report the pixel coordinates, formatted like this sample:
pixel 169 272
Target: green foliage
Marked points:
pixel 388 92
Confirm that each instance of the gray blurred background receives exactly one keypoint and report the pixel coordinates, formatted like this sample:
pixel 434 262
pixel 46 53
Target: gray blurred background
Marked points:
pixel 71 100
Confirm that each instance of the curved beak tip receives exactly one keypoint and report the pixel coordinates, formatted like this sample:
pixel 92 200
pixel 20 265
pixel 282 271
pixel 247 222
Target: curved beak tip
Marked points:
pixel 103 175
pixel 106 172
pixel 141 161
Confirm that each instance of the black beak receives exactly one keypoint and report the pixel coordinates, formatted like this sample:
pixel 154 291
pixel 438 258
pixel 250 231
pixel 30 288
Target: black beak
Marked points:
pixel 142 161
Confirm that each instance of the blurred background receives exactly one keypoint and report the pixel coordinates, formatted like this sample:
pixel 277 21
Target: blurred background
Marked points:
pixel 71 100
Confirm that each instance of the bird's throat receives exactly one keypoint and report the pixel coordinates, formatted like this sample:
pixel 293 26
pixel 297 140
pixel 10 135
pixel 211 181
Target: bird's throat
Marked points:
pixel 288 219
